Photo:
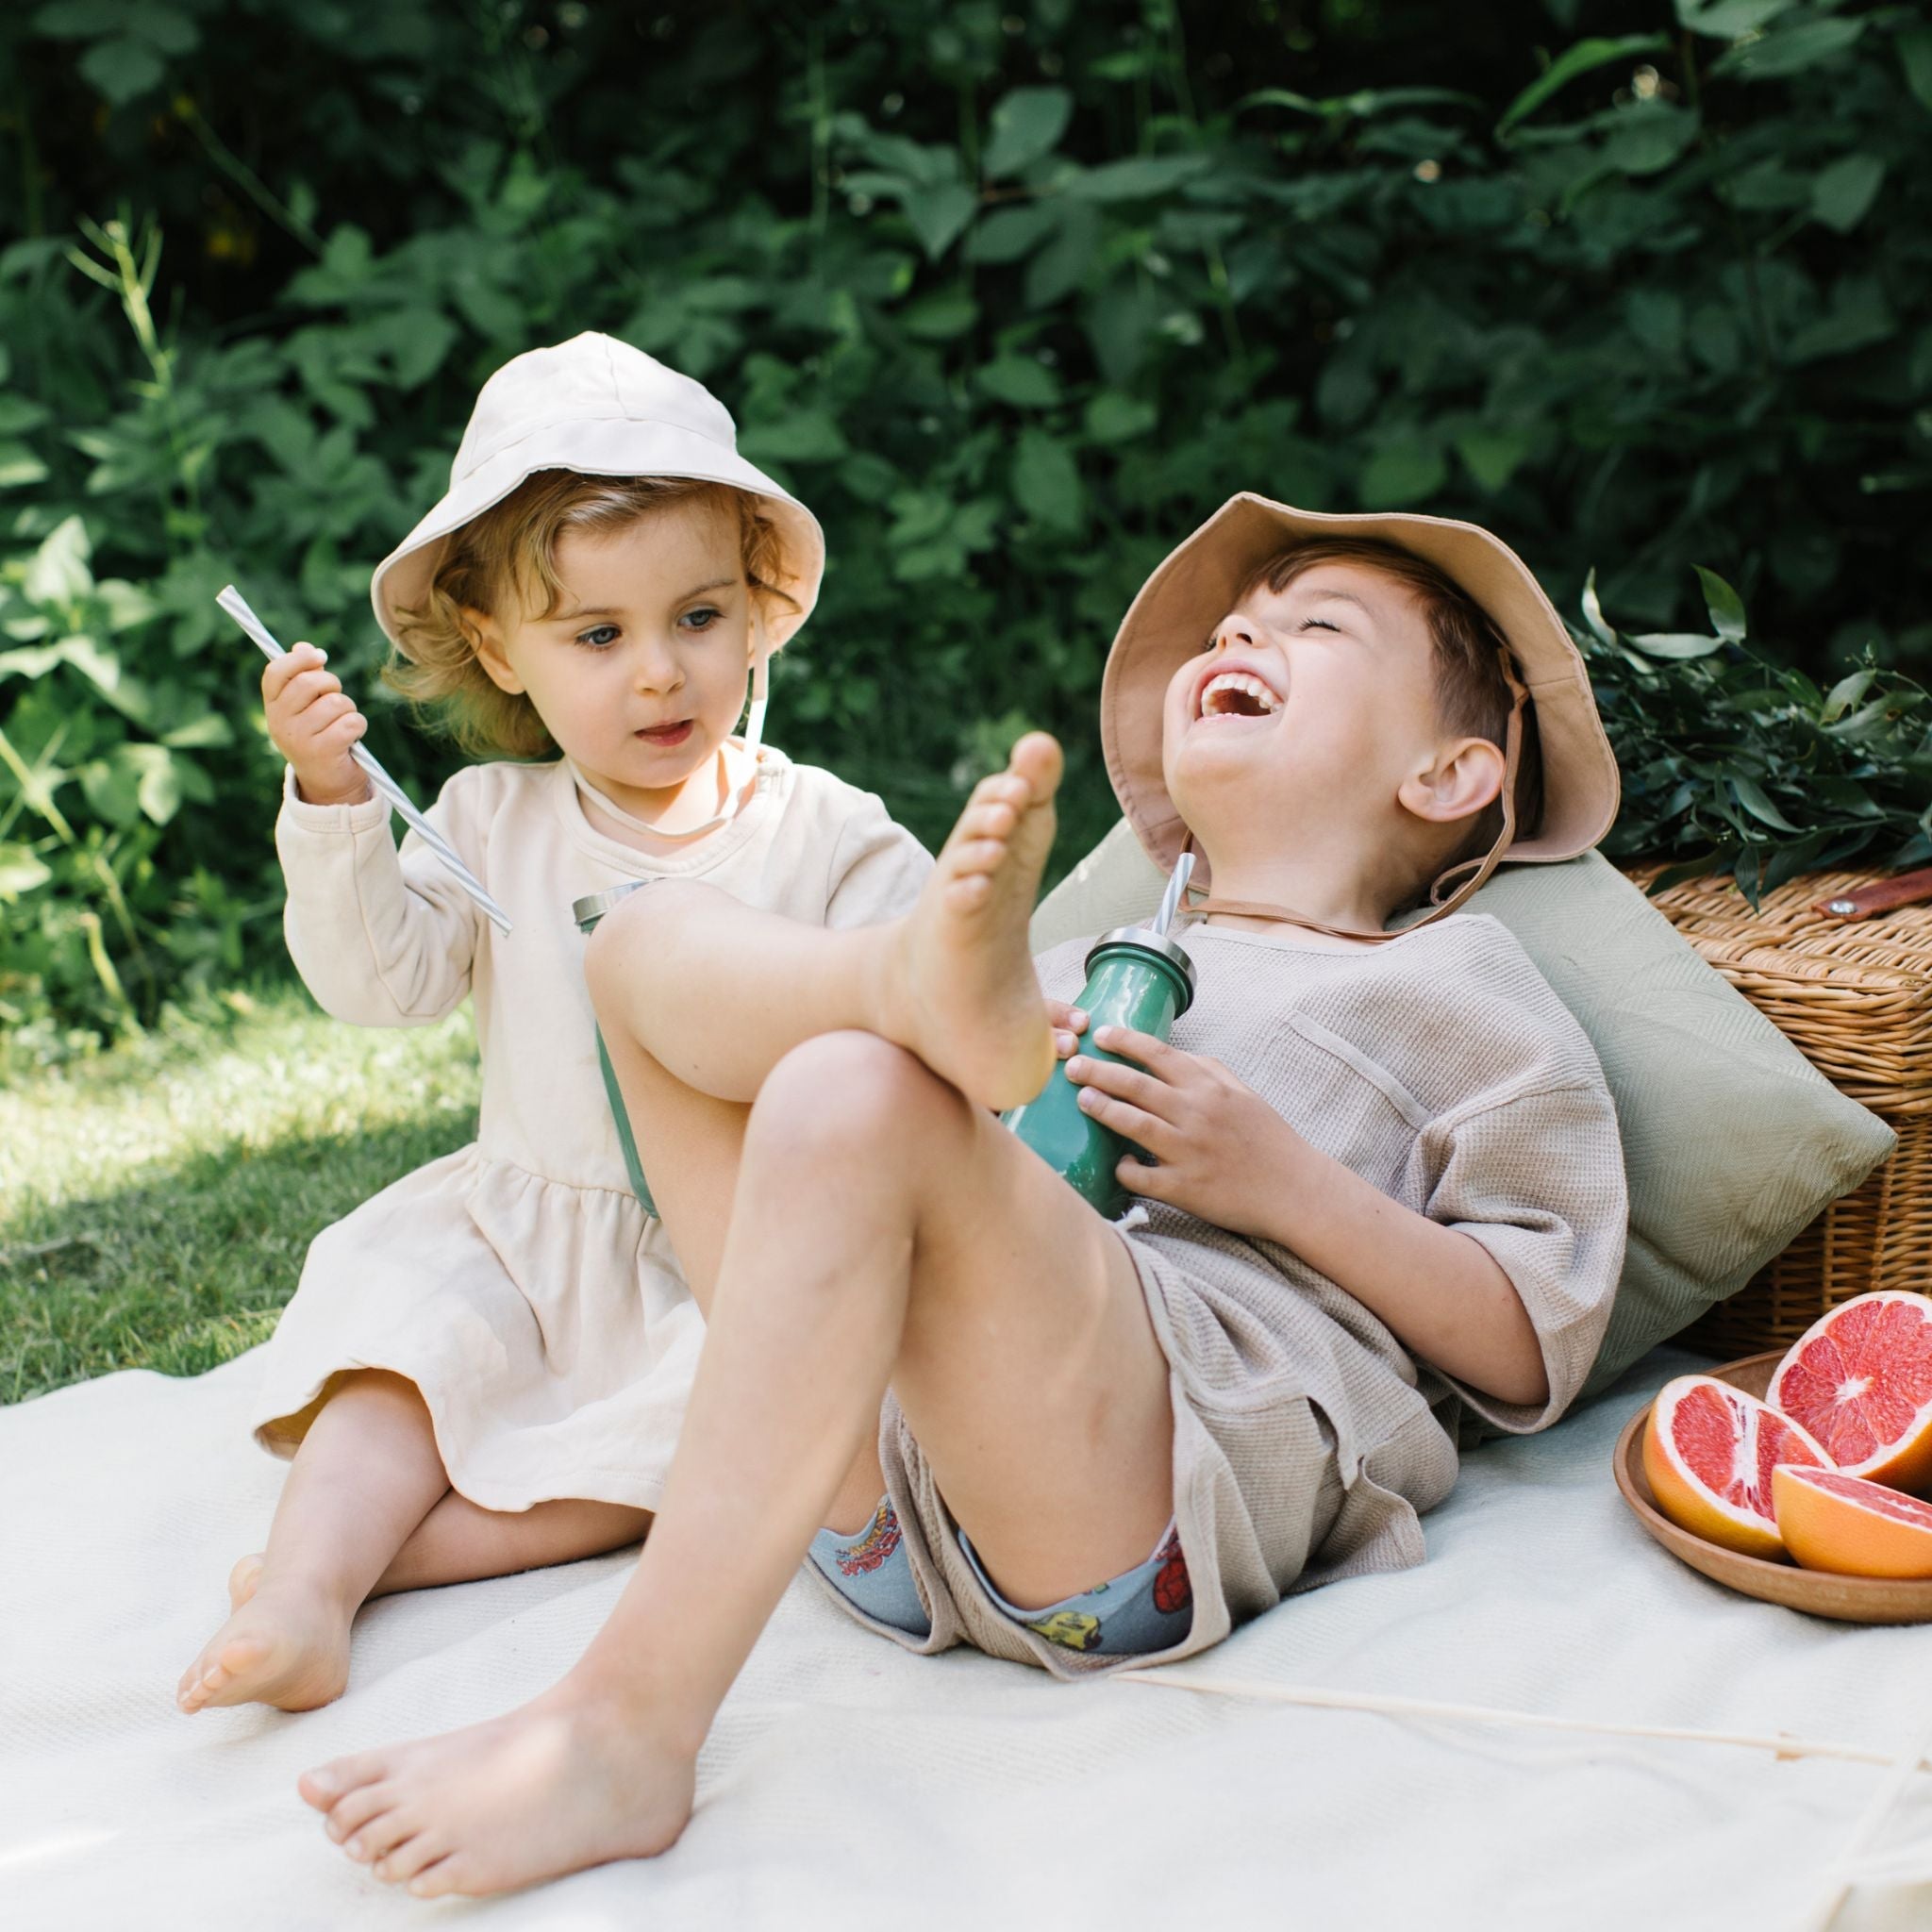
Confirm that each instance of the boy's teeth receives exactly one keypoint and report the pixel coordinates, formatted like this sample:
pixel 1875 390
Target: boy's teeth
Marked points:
pixel 1230 682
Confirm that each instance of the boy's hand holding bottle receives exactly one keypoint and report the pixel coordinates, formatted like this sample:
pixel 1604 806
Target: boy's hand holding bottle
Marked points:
pixel 314 722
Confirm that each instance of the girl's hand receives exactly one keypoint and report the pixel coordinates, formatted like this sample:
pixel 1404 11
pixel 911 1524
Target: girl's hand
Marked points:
pixel 1224 1153
pixel 313 722
pixel 1068 1022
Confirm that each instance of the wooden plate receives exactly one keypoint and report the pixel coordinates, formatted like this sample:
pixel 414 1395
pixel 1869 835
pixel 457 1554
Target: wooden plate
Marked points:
pixel 1850 1599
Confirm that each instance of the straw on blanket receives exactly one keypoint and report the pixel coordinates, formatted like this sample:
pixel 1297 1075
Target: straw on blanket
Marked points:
pixel 1851 1867
pixel 1782 1744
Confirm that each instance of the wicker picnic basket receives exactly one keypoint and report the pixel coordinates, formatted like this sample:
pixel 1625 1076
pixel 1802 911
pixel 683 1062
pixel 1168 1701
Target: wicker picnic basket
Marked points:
pixel 1855 996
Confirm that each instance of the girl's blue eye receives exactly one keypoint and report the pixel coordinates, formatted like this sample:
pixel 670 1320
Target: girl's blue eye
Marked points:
pixel 600 637
pixel 703 618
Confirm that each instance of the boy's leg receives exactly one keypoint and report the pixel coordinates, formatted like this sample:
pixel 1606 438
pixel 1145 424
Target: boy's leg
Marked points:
pixel 366 1474
pixel 699 995
pixel 898 1233
pixel 886 1229
pixel 717 993
pixel 690 1145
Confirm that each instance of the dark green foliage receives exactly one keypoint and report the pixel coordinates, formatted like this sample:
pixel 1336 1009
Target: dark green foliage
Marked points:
pixel 1732 762
pixel 1012 297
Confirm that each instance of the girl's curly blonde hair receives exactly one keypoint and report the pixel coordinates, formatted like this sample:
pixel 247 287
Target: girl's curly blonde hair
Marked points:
pixel 505 558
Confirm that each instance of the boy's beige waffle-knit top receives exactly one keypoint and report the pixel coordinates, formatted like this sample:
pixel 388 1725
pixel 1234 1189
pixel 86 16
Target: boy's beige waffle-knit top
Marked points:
pixel 517 1281
pixel 1443 1067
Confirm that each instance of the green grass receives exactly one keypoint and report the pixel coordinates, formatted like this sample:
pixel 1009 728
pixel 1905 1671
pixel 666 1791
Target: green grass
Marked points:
pixel 155 1203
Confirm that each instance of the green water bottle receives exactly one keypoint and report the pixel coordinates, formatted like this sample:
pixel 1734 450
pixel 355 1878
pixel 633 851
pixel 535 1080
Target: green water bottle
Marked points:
pixel 586 911
pixel 1138 977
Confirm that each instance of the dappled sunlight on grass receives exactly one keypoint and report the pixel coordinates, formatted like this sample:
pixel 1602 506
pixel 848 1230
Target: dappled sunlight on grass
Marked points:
pixel 155 1203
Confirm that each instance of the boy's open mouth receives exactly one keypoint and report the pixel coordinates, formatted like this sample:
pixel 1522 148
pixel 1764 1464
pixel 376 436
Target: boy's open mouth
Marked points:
pixel 1236 694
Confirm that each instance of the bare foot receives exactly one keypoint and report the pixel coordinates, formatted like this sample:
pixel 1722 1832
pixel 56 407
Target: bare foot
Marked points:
pixel 961 988
pixel 567 1781
pixel 244 1579
pixel 289 1648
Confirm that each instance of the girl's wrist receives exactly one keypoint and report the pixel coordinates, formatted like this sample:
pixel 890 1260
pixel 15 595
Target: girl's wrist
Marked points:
pixel 308 792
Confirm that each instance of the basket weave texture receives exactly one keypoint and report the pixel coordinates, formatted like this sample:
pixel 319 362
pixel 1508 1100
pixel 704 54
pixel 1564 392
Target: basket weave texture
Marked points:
pixel 1856 999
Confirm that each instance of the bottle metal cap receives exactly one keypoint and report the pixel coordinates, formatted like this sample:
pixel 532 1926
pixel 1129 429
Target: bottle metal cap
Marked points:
pixel 588 911
pixel 1149 941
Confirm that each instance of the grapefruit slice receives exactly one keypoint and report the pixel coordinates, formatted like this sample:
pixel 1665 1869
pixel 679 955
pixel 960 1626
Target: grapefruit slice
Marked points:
pixel 1708 1450
pixel 1831 1521
pixel 1859 1380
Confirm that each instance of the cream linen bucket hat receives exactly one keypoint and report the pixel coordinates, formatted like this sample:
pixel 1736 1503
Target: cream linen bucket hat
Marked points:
pixel 599 406
pixel 1197 585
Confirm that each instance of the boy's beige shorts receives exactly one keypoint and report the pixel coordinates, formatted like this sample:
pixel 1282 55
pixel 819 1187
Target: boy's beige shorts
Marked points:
pixel 1256 1486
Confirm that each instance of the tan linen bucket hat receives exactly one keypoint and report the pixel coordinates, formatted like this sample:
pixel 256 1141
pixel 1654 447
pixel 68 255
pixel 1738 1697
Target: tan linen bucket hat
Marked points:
pixel 599 406
pixel 1196 586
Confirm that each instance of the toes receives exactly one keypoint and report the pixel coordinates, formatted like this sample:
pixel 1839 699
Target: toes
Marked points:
pixel 244 1579
pixel 381 1837
pixel 979 855
pixel 407 1860
pixel 329 1783
pixel 439 1879
pixel 1038 758
pixel 989 820
pixel 1000 788
pixel 350 1813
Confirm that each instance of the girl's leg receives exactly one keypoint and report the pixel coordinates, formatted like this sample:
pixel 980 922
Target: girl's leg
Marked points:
pixel 886 1229
pixel 460 1542
pixel 660 967
pixel 366 1474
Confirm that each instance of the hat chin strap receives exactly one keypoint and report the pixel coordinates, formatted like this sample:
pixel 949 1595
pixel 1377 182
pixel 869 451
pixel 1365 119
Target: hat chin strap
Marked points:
pixel 753 737
pixel 1439 907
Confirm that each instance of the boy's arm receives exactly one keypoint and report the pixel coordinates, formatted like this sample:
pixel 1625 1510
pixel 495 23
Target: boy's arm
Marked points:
pixel 1227 1156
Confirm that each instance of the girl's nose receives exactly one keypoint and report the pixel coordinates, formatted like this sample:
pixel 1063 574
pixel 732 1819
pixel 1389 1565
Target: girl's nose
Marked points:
pixel 657 671
pixel 1230 635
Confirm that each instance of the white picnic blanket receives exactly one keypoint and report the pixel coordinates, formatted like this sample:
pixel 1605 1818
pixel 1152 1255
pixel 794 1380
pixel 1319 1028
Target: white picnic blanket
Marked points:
pixel 848 1785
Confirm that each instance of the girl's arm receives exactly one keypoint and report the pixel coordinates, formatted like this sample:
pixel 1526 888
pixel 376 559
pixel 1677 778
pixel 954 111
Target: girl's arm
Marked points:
pixel 380 938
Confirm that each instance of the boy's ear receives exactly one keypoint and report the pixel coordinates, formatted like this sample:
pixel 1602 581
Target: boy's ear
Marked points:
pixel 1462 778
pixel 481 633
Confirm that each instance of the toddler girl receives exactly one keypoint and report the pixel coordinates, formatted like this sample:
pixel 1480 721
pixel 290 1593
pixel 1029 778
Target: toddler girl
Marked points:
pixel 485 1366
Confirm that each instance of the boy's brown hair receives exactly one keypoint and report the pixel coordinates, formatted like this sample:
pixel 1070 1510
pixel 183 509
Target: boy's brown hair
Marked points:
pixel 1472 696
pixel 506 557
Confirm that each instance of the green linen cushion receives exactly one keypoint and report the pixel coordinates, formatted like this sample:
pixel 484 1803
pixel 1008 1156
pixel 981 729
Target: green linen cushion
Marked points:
pixel 1733 1142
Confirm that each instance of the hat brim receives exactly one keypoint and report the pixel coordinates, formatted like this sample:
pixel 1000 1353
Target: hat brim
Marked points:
pixel 610 446
pixel 1196 586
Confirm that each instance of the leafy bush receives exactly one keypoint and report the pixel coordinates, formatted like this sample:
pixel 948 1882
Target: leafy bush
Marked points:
pixel 1011 298
pixel 1732 762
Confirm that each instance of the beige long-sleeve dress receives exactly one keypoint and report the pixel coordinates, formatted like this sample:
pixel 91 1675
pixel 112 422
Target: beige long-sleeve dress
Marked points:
pixel 1307 1441
pixel 517 1282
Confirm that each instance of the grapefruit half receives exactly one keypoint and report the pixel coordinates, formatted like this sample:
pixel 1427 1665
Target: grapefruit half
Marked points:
pixel 1859 1380
pixel 1708 1450
pixel 1831 1521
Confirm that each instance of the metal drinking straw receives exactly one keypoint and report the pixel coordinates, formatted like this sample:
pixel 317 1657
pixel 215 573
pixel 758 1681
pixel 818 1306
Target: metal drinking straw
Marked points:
pixel 232 601
pixel 1176 886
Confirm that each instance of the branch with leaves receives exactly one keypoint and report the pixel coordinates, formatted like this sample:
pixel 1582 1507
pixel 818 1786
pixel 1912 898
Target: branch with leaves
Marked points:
pixel 1734 763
